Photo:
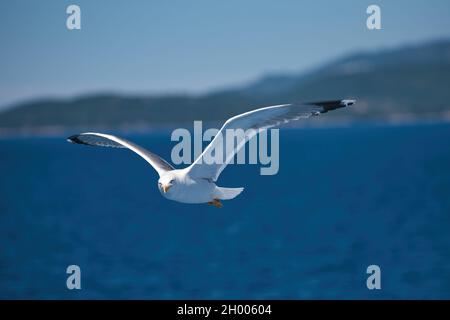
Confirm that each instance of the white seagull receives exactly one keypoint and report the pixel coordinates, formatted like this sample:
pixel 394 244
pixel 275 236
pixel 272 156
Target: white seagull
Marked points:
pixel 196 183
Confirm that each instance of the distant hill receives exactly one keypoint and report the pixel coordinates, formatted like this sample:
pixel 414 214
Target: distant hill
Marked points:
pixel 411 80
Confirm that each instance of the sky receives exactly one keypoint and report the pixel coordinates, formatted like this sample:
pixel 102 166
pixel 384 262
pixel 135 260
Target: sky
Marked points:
pixel 158 47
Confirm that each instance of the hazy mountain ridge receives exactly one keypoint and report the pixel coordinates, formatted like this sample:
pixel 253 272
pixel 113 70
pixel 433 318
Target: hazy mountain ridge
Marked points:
pixel 409 80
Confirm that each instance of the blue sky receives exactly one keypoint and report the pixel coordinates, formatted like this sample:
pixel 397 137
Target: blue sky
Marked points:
pixel 190 46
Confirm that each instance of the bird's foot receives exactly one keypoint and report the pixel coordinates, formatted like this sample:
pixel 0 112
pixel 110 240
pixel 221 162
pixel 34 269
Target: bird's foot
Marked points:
pixel 216 203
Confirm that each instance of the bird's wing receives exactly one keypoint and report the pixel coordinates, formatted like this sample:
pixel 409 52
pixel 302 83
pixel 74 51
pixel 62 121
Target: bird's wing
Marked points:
pixel 255 120
pixel 106 140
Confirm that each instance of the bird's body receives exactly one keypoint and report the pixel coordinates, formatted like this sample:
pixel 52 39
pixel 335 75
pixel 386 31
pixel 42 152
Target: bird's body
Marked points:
pixel 197 183
pixel 187 189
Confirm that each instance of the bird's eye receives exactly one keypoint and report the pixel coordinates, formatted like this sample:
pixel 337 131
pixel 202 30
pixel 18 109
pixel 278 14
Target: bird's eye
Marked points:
pixel 159 184
pixel 171 181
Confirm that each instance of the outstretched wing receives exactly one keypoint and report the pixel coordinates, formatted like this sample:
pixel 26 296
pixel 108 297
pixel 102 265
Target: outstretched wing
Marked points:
pixel 106 140
pixel 252 122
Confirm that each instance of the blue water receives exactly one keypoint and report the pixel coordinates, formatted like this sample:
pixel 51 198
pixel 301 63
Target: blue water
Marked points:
pixel 366 195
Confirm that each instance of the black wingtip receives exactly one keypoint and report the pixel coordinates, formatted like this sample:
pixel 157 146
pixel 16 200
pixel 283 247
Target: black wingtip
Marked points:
pixel 75 139
pixel 348 102
pixel 71 139
pixel 334 104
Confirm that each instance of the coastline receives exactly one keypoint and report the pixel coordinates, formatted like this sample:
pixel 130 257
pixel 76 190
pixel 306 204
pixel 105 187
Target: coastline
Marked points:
pixel 323 123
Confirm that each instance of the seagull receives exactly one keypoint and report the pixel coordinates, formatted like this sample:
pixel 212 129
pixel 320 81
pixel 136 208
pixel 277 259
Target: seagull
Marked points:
pixel 197 182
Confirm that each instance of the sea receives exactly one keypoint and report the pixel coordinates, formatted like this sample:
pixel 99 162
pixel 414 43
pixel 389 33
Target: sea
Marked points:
pixel 345 199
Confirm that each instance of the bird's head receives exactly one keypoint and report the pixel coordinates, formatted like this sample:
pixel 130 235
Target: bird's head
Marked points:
pixel 166 182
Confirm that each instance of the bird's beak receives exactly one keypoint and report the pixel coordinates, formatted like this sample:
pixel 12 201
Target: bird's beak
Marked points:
pixel 166 188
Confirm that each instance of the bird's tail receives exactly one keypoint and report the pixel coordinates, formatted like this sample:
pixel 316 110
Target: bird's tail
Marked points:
pixel 227 193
